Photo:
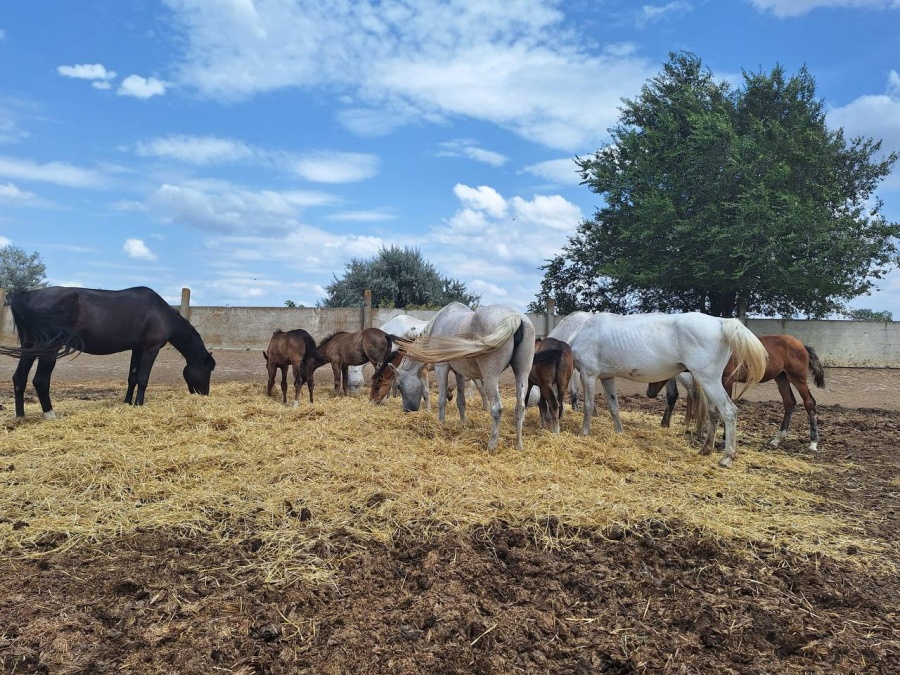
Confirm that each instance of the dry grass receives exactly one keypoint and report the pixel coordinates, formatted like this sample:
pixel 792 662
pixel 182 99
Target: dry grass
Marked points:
pixel 240 468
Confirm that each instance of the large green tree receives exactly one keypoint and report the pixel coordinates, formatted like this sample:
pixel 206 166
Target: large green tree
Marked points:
pixel 727 201
pixel 19 270
pixel 397 277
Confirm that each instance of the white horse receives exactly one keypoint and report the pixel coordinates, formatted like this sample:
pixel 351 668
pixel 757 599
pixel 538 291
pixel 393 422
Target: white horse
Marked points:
pixel 656 347
pixel 355 378
pixel 566 331
pixel 476 345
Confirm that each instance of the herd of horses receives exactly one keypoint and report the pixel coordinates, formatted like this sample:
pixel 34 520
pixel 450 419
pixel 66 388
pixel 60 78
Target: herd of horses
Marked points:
pixel 708 355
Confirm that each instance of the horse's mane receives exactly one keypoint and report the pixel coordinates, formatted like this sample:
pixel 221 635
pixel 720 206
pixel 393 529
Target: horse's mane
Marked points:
pixel 188 341
pixel 328 338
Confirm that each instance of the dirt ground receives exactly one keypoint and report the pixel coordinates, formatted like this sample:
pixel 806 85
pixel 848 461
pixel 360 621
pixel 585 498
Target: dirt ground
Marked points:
pixel 660 598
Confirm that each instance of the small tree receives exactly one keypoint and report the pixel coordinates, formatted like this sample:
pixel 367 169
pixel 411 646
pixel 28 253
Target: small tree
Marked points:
pixel 869 315
pixel 20 271
pixel 290 303
pixel 397 277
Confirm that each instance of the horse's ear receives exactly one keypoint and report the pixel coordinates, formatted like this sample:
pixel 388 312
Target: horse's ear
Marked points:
pixel 393 367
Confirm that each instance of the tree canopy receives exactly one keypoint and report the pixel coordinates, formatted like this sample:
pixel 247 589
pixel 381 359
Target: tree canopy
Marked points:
pixel 727 201
pixel 19 270
pixel 397 277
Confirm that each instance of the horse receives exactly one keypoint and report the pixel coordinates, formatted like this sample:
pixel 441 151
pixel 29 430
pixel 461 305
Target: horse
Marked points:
pixel 671 386
pixel 295 348
pixel 383 382
pixel 566 331
pixel 551 371
pixel 474 344
pixel 788 363
pixel 56 321
pixel 355 379
pixel 343 349
pixel 654 347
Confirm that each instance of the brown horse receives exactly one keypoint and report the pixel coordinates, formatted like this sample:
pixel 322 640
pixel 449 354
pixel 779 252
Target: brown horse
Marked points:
pixel 296 349
pixel 788 363
pixel 551 371
pixel 343 349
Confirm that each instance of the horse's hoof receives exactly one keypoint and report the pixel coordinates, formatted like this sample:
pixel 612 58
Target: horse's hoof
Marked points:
pixel 705 450
pixel 20 419
pixel 49 415
pixel 725 462
pixel 775 442
pixel 296 404
pixel 814 446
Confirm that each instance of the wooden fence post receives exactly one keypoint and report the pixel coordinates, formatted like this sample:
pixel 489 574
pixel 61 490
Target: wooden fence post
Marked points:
pixel 186 303
pixel 367 309
pixel 551 315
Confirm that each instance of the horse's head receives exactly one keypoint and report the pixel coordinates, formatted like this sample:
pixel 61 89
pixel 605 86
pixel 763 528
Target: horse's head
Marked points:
pixel 409 384
pixel 198 373
pixel 381 385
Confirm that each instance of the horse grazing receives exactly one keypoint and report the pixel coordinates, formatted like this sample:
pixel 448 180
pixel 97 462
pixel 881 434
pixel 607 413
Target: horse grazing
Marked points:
pixel 788 364
pixel 655 347
pixel 296 349
pixel 383 382
pixel 566 331
pixel 551 372
pixel 343 349
pixel 671 386
pixel 57 321
pixel 474 344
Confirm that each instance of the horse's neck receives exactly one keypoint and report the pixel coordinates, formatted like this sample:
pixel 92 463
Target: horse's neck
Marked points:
pixel 187 340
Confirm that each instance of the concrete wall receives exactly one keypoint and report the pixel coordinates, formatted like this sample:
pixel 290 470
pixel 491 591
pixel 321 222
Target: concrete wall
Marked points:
pixel 871 344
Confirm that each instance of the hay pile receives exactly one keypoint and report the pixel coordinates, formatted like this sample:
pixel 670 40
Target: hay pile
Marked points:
pixel 286 483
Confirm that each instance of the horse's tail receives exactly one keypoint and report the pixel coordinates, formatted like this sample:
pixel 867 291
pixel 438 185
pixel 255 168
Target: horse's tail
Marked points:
pixel 815 367
pixel 438 348
pixel 42 332
pixel 311 352
pixel 749 352
pixel 698 404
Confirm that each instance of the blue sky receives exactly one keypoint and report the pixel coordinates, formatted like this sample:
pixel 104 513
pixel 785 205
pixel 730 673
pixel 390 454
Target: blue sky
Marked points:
pixel 248 150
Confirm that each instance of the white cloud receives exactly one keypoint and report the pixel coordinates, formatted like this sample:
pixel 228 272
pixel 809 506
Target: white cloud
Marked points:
pixel 59 173
pixel 201 150
pixel 371 216
pixel 651 13
pixel 876 116
pixel 497 245
pixel 562 171
pixel 482 198
pixel 325 166
pixel 11 193
pixel 141 87
pixel 2 34
pixel 135 248
pixel 4 241
pixel 791 8
pixel 87 71
pixel 234 210
pixel 513 63
pixel 9 128
pixel 469 149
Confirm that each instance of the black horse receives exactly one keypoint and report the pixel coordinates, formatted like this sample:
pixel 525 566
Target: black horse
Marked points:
pixel 56 321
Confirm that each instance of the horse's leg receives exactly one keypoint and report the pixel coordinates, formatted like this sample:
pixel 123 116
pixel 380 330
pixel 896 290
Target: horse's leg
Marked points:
pixel 310 380
pixel 573 389
pixel 671 400
pixel 144 373
pixel 588 387
pixel 270 381
pixel 345 380
pixel 612 400
pixel 283 384
pixel 491 384
pixel 426 388
pixel 336 372
pixel 718 397
pixel 810 404
pixel 295 366
pixel 790 404
pixel 20 381
pixel 551 408
pixel 41 383
pixel 133 370
pixel 442 372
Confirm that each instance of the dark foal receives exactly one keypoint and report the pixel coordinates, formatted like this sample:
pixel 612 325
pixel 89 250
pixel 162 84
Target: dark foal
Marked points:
pixel 296 349
pixel 342 349
pixel 551 371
